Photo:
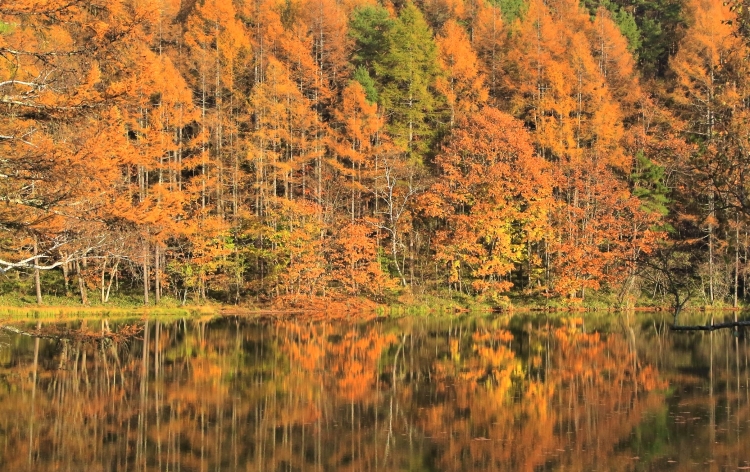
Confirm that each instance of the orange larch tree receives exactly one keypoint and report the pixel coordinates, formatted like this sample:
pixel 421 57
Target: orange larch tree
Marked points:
pixel 495 196
pixel 71 76
pixel 710 95
pixel 463 85
pixel 560 66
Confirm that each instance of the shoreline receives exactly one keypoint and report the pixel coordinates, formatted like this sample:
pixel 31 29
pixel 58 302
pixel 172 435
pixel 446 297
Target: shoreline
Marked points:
pixel 337 311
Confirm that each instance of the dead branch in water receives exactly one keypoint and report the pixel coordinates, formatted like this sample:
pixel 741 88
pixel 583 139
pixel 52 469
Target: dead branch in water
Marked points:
pixel 83 334
pixel 710 327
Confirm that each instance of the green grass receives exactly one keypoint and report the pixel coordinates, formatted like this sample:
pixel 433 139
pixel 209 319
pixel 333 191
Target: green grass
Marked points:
pixel 17 289
pixel 18 301
pixel 58 313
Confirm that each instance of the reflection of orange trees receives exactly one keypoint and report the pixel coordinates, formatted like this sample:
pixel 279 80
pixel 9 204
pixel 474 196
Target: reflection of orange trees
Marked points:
pixel 349 359
pixel 53 409
pixel 569 406
pixel 325 396
pixel 88 406
pixel 489 367
pixel 327 379
pixel 196 396
pixel 355 361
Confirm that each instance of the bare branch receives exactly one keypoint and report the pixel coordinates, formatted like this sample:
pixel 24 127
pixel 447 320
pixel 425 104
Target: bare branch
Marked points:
pixel 19 82
pixel 34 262
pixel 4 137
pixel 9 100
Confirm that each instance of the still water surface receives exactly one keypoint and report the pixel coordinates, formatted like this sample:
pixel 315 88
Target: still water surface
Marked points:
pixel 468 394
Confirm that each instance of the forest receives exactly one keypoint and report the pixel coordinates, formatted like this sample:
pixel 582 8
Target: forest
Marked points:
pixel 293 152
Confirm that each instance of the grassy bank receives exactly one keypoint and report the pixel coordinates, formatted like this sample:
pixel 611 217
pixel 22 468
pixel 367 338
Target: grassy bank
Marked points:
pixel 22 306
pixel 60 313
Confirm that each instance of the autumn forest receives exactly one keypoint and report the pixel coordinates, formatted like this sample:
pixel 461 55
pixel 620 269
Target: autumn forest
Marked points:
pixel 284 152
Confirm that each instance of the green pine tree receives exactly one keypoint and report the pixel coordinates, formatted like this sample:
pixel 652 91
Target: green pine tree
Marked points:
pixel 368 28
pixel 652 28
pixel 623 18
pixel 407 73
pixel 649 187
pixel 511 9
pixel 362 76
pixel 628 27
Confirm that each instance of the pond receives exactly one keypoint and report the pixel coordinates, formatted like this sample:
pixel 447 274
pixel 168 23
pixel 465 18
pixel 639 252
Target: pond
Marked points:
pixel 414 394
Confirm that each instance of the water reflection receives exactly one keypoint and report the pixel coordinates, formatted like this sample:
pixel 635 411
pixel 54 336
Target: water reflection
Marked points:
pixel 418 394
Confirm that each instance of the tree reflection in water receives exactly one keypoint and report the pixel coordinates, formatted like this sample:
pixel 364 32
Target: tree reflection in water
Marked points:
pixel 411 394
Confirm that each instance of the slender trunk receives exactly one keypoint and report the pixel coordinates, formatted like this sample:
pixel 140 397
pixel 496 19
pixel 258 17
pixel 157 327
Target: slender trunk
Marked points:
pixel 37 281
pixel 394 252
pixel 744 272
pixel 82 285
pixel 145 274
pixel 219 132
pixel 157 274
pixel 112 276
pixel 204 146
pixel 411 259
pixel 711 252
pixel 736 261
pixel 66 275
pixel 235 185
pixel 104 277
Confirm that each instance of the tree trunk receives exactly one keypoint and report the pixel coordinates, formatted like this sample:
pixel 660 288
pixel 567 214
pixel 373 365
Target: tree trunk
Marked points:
pixel 66 276
pixel 104 273
pixel 202 289
pixel 394 253
pixel 82 285
pixel 145 274
pixel 736 262
pixel 711 251
pixel 112 276
pixel 157 274
pixel 37 281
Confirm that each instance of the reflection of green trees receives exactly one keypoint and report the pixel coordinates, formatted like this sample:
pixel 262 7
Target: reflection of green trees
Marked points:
pixel 417 394
pixel 711 406
pixel 652 437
